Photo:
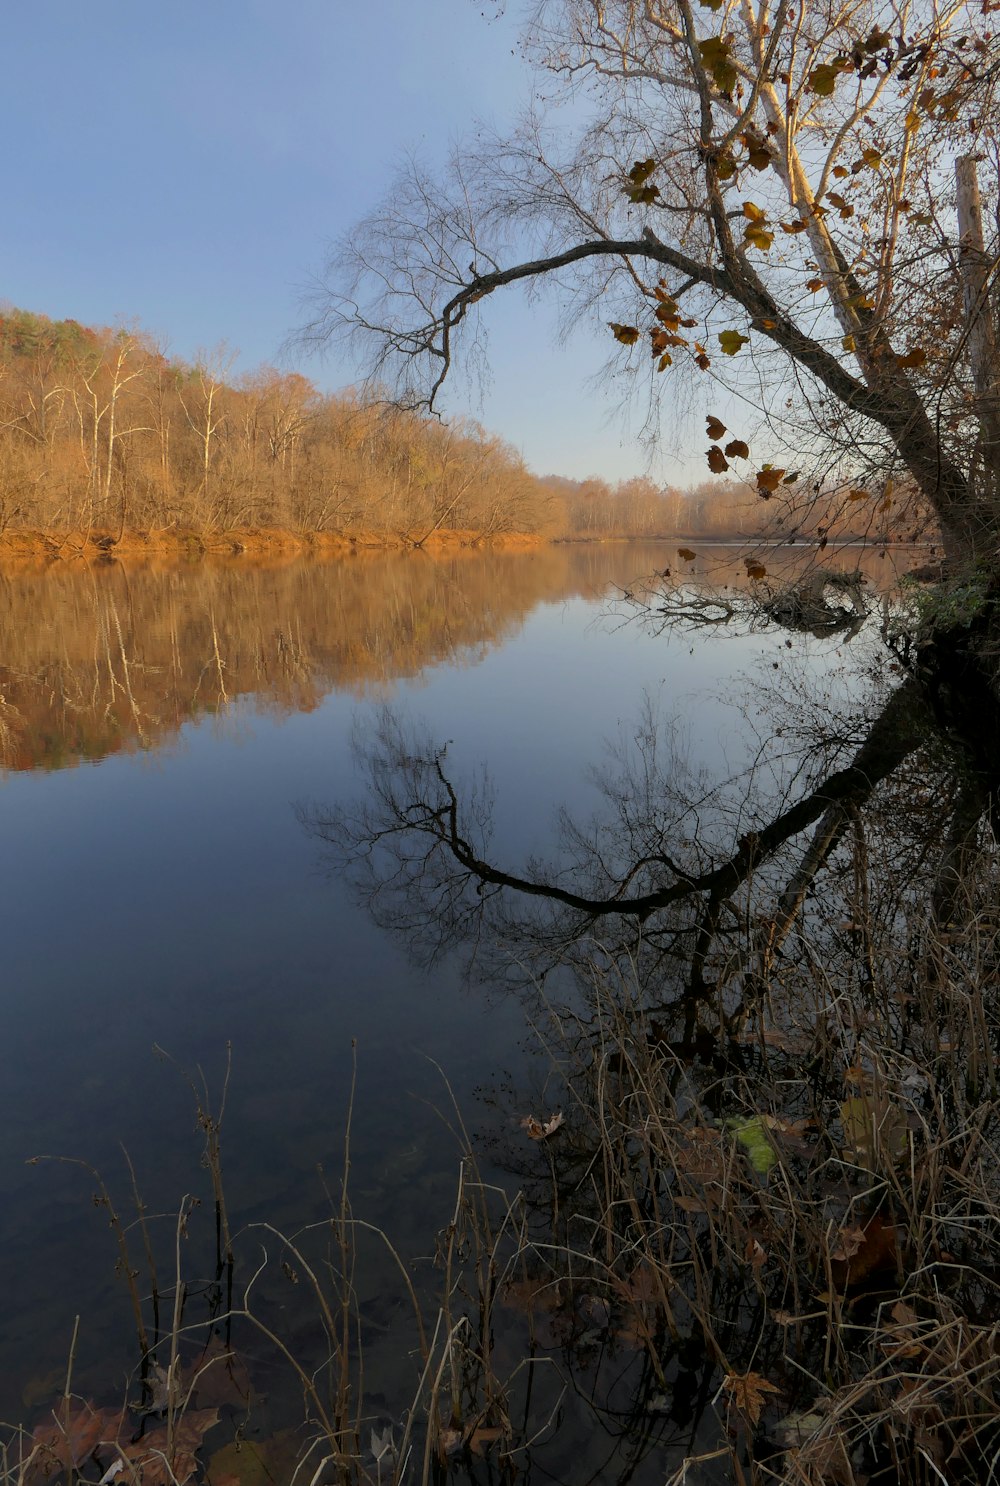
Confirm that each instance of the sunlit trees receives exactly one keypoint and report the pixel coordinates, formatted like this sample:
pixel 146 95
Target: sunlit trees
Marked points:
pixel 762 194
pixel 100 430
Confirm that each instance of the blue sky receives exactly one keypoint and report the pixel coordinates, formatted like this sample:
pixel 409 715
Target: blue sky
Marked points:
pixel 183 165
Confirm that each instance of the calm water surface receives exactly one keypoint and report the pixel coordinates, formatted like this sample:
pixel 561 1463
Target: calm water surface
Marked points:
pixel 158 730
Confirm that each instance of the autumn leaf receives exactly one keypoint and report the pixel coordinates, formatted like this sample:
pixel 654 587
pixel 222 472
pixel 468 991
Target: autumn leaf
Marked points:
pixel 756 570
pixel 627 334
pixel 725 165
pixel 865 1251
pixel 737 449
pixel 540 1130
pixel 857 495
pixel 717 461
pixel 714 428
pixel 256 1462
pixel 759 237
pixel 731 341
pixel 754 213
pixel 748 1391
pixel 769 478
pixel 636 187
pixel 848 343
pixel 74 1433
pixel 166 1461
pixel 687 554
pixel 823 79
pixel 793 227
pixel 873 1124
pixel 717 55
pixel 813 285
pixel 913 358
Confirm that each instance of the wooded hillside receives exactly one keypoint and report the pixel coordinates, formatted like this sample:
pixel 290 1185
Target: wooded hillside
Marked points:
pixel 101 431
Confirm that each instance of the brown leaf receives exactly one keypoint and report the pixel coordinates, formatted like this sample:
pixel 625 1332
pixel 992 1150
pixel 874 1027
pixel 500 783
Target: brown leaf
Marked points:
pixel 714 428
pixel 756 570
pixel 218 1377
pixel 687 554
pixel 717 461
pixel 748 1392
pixel 769 479
pixel 72 1434
pixel 540 1130
pixel 737 449
pixel 171 1462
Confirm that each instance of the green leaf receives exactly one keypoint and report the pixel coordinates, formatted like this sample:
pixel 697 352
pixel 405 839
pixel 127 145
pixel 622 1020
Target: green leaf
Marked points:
pixel 752 1136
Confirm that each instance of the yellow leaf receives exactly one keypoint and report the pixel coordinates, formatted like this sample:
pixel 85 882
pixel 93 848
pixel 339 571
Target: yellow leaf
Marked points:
pixel 823 79
pixel 754 213
pixel 717 55
pixel 627 334
pixel 731 341
pixel 757 237
pixel 848 343
pixel 768 478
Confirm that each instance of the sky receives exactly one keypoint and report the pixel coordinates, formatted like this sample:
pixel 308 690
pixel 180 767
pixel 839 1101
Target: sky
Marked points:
pixel 184 167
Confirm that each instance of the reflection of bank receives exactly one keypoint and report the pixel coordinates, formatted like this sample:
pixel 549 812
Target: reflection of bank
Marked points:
pixel 769 1005
pixel 104 659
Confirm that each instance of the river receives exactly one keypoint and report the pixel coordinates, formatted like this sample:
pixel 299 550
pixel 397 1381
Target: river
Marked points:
pixel 164 732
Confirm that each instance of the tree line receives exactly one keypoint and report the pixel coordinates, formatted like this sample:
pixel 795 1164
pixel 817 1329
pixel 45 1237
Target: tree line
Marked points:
pixel 101 431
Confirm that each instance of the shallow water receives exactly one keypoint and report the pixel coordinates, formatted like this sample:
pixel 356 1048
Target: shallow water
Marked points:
pixel 160 727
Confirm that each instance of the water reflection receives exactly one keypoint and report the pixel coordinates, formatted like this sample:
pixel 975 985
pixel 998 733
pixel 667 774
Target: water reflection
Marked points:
pixel 768 1003
pixel 112 657
pixel 172 898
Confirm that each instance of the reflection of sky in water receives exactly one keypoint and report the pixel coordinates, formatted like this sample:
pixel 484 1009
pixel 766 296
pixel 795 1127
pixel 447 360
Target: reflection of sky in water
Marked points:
pixel 173 898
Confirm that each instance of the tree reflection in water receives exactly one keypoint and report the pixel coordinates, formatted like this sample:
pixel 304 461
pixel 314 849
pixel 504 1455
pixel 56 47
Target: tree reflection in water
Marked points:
pixel 769 1004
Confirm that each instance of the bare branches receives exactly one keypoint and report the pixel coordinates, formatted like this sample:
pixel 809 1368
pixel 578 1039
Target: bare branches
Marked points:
pixel 793 170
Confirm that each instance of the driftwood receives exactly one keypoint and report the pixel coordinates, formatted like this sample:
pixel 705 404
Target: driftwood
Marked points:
pixel 806 603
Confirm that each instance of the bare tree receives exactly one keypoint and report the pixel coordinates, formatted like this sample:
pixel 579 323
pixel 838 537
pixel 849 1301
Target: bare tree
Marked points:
pixel 762 193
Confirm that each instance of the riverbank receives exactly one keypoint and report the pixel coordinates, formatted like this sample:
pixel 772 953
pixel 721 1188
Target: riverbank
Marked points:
pixel 189 544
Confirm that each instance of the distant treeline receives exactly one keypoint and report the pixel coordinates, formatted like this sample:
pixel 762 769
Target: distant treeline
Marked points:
pixel 101 431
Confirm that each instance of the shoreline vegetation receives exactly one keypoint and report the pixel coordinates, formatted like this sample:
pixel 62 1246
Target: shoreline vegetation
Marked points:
pixel 107 445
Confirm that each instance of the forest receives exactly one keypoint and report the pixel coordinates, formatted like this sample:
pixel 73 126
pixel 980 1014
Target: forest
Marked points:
pixel 101 432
